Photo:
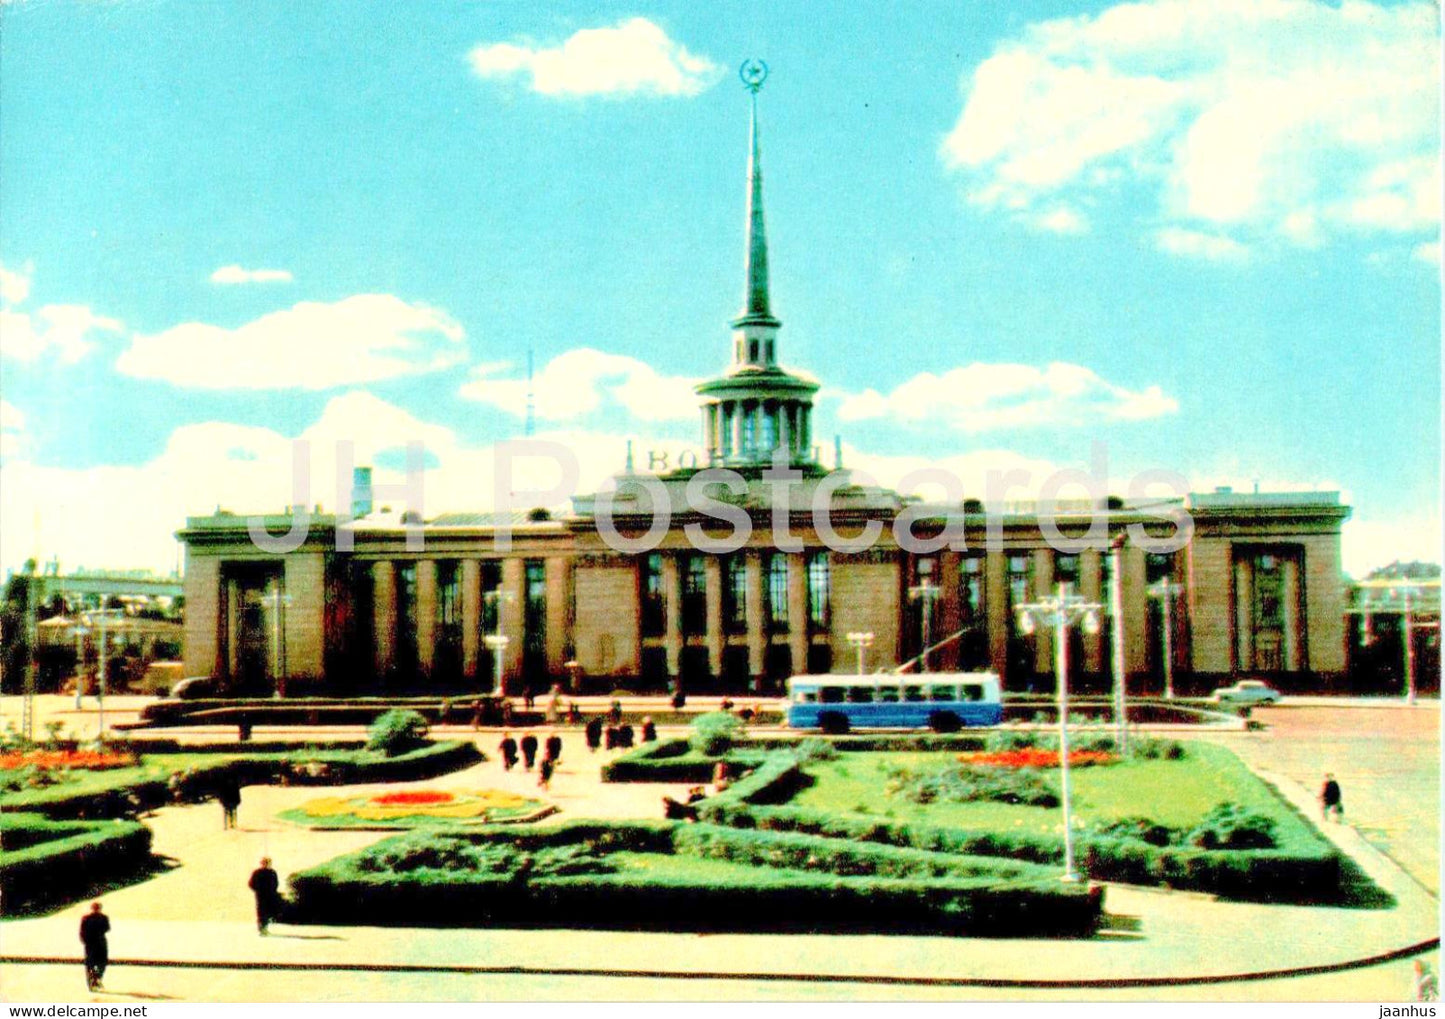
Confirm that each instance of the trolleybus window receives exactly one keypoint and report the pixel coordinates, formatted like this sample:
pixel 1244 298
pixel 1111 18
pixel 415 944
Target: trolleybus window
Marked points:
pixel 807 696
pixel 860 695
pixel 943 693
pixel 972 692
pixel 914 693
pixel 888 694
pixel 831 694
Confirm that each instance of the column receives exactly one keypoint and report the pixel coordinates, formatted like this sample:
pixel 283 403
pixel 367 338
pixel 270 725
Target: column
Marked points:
pixel 785 431
pixel 233 630
pixel 805 430
pixel 1091 580
pixel 950 619
pixel 755 451
pixel 426 615
pixel 559 613
pixel 1136 610
pixel 715 636
pixel 1043 635
pixel 672 613
pixel 798 635
pixel 1243 615
pixel 471 617
pixel 1289 613
pixel 735 423
pixel 995 584
pixel 383 587
pixel 512 609
pixel 757 633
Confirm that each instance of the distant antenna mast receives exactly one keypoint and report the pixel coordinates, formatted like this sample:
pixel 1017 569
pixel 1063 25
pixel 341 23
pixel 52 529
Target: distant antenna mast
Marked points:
pixel 531 425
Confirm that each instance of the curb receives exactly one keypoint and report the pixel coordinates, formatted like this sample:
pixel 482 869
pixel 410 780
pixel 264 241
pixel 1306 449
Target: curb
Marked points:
pixel 809 978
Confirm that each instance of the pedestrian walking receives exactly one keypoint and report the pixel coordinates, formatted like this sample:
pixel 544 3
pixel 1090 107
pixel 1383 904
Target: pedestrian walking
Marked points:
pixel 649 731
pixel 544 772
pixel 574 714
pixel 624 736
pixel 554 706
pixel 593 733
pixel 93 931
pixel 506 713
pixel 508 747
pixel 610 740
pixel 228 795
pixel 476 714
pixel 1331 800
pixel 614 712
pixel 529 696
pixel 678 699
pixel 552 750
pixel 529 751
pixel 267 888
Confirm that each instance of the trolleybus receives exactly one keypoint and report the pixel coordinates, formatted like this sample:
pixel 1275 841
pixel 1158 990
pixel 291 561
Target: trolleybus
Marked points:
pixel 942 701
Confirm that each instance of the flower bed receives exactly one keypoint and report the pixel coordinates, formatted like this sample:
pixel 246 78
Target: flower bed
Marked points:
pixel 90 760
pixel 1036 757
pixel 417 808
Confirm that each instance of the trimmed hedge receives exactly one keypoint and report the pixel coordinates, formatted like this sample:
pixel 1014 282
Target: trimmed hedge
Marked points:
pixel 44 861
pixel 126 795
pixel 672 760
pixel 878 888
pixel 1304 869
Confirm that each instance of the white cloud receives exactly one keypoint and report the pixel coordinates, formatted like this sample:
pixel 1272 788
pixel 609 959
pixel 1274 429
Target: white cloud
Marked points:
pixel 1194 244
pixel 14 286
pixel 68 329
pixel 1062 220
pixel 1368 543
pixel 12 430
pixel 1427 252
pixel 312 345
pixel 1291 119
pixel 236 274
pixel 984 397
pixel 635 56
pixel 579 381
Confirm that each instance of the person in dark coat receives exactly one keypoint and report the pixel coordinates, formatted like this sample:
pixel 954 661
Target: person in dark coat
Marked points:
pixel 553 749
pixel 93 930
pixel 678 699
pixel 610 738
pixel 614 712
pixel 1331 800
pixel 544 772
pixel 624 736
pixel 267 888
pixel 529 750
pixel 476 714
pixel 574 714
pixel 508 747
pixel 649 731
pixel 593 731
pixel 228 795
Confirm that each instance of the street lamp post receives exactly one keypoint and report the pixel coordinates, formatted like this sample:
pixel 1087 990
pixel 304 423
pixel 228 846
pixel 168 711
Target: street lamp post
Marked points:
pixel 925 594
pixel 860 641
pixel 79 631
pixel 1166 591
pixel 103 616
pixel 497 641
pixel 1062 611
pixel 279 601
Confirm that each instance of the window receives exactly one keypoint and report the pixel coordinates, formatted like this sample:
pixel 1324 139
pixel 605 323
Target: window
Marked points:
pixel 818 591
pixel 535 623
pixel 749 430
pixel 406 658
pixel 943 693
pixel 831 695
pixel 860 695
pixel 449 595
pixel 752 350
pixel 1160 565
pixel 972 692
pixel 888 695
pixel 1066 568
pixel 734 594
pixel 1020 571
pixel 971 592
pixel 777 607
pixel 694 595
pixel 807 697
pixel 653 611
pixel 913 694
pixel 769 430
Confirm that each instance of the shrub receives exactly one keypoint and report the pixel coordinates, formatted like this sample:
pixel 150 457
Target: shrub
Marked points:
pixel 713 734
pixel 1148 748
pixel 45 861
pixel 396 732
pixel 815 749
pixel 966 784
pixel 1230 826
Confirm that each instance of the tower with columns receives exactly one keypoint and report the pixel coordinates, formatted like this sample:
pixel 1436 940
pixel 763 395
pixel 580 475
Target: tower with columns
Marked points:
pixel 757 411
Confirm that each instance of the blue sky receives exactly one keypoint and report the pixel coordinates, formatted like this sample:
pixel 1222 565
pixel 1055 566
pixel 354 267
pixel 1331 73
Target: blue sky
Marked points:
pixel 1219 222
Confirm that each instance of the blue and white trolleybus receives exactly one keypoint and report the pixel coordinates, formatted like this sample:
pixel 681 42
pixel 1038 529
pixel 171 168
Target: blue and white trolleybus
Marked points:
pixel 942 701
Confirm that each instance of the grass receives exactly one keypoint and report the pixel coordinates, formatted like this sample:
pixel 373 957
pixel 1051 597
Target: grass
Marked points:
pixel 691 868
pixel 1174 793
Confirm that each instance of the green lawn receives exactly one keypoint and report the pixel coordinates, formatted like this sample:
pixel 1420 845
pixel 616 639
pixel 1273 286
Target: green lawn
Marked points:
pixel 691 868
pixel 1174 793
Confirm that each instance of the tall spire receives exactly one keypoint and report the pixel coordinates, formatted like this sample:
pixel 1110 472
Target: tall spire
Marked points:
pixel 756 305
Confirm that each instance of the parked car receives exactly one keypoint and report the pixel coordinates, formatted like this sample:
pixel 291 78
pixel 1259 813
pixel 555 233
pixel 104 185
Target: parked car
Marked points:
pixel 195 688
pixel 1246 691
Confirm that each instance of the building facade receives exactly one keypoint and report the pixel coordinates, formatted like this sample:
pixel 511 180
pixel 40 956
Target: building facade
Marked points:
pixel 1257 589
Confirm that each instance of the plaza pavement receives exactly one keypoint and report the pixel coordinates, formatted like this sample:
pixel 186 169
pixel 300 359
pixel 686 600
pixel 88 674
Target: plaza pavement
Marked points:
pixel 192 930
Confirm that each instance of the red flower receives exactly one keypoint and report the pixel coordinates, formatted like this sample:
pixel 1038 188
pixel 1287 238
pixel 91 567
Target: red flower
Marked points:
pixel 1034 757
pixel 412 798
pixel 95 760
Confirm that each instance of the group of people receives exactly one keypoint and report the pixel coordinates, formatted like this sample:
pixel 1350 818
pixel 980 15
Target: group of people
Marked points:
pixel 528 746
